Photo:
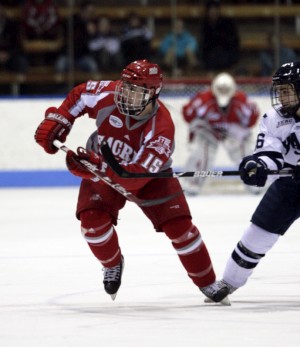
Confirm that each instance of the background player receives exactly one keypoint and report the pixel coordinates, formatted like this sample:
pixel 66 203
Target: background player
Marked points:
pixel 221 115
pixel 277 147
pixel 140 132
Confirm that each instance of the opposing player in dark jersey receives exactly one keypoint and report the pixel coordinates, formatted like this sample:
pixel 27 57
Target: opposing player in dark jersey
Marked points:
pixel 140 132
pixel 277 147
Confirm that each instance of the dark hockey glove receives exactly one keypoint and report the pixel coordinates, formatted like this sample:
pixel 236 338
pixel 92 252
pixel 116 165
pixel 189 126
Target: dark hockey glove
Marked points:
pixel 253 171
pixel 53 127
pixel 77 168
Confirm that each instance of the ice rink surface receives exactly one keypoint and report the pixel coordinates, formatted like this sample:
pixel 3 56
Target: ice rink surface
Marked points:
pixel 52 295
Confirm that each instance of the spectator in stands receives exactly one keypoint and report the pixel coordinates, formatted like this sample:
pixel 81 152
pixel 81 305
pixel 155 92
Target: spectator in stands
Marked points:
pixel 105 46
pixel 41 22
pixel 220 39
pixel 83 24
pixel 267 57
pixel 11 2
pixel 11 56
pixel 135 39
pixel 179 49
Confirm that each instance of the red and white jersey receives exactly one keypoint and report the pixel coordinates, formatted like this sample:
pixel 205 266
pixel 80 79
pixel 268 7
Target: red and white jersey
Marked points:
pixel 202 111
pixel 140 146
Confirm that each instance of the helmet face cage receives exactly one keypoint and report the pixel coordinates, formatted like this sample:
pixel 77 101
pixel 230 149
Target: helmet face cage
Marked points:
pixel 223 88
pixel 285 99
pixel 131 99
pixel 285 90
pixel 140 84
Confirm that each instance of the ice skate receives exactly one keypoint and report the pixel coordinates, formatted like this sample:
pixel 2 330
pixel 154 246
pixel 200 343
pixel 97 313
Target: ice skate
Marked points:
pixel 226 300
pixel 112 278
pixel 217 292
pixel 229 286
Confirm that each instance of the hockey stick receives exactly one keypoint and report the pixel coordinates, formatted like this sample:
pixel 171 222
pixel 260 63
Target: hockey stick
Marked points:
pixel 98 174
pixel 118 169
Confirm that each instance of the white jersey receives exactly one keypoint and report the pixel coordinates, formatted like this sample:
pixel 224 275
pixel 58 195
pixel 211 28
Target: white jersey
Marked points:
pixel 278 141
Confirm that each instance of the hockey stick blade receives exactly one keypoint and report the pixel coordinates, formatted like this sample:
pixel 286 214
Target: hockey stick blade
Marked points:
pixel 101 176
pixel 119 170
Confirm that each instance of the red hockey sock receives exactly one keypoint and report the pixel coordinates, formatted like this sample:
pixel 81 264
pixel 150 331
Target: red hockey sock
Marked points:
pixel 99 233
pixel 191 250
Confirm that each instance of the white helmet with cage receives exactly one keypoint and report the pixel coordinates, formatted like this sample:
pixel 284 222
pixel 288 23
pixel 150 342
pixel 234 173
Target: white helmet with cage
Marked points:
pixel 223 88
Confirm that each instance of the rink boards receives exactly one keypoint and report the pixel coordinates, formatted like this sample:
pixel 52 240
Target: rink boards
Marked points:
pixel 24 163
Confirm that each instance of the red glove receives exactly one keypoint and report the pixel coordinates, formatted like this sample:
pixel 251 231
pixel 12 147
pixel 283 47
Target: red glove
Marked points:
pixel 53 127
pixel 77 168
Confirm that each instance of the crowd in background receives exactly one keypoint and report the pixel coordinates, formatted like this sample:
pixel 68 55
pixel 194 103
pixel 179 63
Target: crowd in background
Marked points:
pixel 99 45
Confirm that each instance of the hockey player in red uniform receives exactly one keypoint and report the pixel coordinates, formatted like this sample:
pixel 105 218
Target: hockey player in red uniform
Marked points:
pixel 277 147
pixel 140 132
pixel 220 115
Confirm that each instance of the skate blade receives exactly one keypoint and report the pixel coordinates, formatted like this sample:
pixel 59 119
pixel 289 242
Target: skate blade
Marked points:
pixel 223 302
pixel 113 296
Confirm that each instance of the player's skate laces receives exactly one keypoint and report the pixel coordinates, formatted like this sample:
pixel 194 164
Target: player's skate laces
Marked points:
pixel 112 278
pixel 217 292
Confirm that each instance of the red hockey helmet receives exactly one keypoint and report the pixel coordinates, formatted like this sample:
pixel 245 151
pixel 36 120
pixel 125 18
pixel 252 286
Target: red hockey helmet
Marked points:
pixel 141 83
pixel 144 74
